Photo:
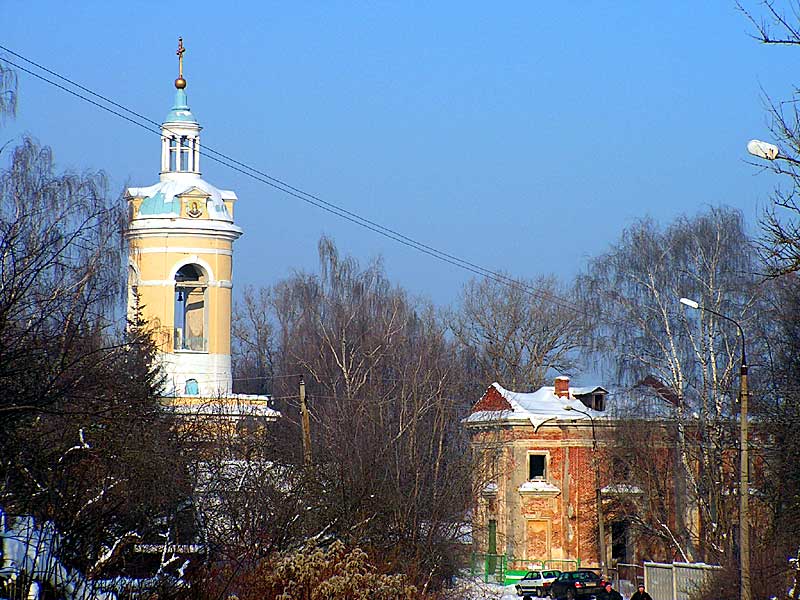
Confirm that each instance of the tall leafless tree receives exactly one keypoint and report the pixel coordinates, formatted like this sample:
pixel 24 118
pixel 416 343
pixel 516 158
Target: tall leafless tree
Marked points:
pixel 642 331
pixel 8 91
pixel 778 23
pixel 384 393
pixel 253 337
pixel 83 441
pixel 515 333
pixel 777 446
pixel 59 277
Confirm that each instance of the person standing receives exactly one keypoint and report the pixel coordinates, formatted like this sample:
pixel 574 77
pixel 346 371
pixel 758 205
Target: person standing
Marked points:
pixel 611 593
pixel 640 594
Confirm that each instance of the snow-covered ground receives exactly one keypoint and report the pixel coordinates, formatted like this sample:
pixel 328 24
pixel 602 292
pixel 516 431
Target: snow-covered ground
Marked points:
pixel 476 589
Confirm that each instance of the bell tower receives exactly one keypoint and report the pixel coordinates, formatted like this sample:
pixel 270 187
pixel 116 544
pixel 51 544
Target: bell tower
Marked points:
pixel 180 237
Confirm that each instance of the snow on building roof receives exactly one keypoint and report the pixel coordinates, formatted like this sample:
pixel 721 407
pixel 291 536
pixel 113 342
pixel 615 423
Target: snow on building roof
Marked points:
pixel 585 391
pixel 500 404
pixel 227 405
pixel 161 199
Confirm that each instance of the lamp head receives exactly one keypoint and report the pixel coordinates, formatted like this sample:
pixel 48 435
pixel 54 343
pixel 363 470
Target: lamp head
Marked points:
pixel 690 303
pixel 763 150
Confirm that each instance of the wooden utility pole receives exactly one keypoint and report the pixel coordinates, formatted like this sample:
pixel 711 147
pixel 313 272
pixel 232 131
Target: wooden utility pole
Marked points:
pixel 306 425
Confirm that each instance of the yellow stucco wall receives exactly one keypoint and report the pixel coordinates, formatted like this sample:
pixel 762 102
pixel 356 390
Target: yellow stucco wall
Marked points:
pixel 158 258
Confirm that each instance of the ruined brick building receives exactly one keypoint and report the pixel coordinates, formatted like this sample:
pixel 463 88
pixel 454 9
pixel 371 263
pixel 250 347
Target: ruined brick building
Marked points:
pixel 544 477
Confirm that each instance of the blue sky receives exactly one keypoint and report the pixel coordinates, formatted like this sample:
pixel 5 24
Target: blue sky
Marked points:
pixel 521 136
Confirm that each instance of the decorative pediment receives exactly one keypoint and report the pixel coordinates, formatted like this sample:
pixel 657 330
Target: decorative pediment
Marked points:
pixel 193 203
pixel 195 192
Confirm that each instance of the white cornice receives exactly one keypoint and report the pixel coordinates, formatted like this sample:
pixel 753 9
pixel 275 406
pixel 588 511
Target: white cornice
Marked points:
pixel 183 250
pixel 222 283
pixel 145 228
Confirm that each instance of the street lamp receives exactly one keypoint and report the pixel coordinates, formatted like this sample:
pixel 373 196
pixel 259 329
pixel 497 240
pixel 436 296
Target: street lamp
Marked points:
pixel 540 423
pixel 763 150
pixel 744 484
pixel 601 530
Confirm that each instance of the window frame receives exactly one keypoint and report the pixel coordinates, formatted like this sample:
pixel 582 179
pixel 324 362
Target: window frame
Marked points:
pixel 545 465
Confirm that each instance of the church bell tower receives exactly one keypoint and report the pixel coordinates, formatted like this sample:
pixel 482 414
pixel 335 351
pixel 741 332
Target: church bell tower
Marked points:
pixel 180 236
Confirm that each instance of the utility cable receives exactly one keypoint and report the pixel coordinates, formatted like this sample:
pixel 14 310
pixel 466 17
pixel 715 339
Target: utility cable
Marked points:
pixel 295 192
pixel 288 189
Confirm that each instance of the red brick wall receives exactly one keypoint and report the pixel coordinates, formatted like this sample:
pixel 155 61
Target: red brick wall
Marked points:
pixel 492 400
pixel 513 507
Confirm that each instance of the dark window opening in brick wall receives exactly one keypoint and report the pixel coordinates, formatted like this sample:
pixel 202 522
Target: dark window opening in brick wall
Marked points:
pixel 536 466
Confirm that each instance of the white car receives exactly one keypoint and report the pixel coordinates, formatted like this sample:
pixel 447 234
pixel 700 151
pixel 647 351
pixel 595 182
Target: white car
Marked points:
pixel 536 583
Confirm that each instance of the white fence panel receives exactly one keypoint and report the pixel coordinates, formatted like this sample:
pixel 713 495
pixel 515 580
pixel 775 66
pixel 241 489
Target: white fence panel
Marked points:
pixel 676 581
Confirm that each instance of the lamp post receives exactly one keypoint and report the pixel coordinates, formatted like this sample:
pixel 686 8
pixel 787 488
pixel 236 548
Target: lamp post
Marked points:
pixel 744 483
pixel 601 530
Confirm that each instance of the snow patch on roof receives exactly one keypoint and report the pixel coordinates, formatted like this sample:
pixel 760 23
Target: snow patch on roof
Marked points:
pixel 538 407
pixel 161 199
pixel 583 391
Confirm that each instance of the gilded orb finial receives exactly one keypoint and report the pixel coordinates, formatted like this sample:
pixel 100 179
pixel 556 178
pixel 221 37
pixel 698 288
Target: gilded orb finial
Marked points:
pixel 180 82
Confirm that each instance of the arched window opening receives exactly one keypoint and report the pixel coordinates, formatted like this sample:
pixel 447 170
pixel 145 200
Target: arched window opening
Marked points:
pixel 191 324
pixel 192 388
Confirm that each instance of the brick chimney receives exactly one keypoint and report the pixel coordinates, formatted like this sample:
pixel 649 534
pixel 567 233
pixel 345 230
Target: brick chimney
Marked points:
pixel 562 386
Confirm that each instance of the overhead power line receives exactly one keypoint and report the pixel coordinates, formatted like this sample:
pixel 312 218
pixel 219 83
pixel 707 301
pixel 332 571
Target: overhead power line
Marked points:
pixel 312 199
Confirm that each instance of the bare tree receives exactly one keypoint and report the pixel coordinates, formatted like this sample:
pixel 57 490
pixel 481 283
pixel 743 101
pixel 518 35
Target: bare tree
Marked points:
pixel 249 502
pixel 83 441
pixel 778 23
pixel 8 91
pixel 778 446
pixel 515 334
pixel 643 332
pixel 346 317
pixel 252 334
pixel 60 251
pixel 383 385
